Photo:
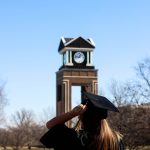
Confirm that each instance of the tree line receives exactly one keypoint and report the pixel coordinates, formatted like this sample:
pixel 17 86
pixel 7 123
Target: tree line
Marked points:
pixel 132 98
pixel 22 131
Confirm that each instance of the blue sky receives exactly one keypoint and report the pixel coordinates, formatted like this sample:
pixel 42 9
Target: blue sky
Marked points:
pixel 30 32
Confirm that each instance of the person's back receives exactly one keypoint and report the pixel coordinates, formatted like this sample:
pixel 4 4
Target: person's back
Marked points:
pixel 94 132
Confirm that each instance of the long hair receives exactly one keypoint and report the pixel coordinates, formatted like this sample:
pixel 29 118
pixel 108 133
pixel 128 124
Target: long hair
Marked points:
pixel 107 139
pixel 104 138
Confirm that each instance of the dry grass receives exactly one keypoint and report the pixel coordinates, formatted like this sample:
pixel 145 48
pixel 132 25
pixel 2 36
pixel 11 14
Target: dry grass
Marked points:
pixel 25 148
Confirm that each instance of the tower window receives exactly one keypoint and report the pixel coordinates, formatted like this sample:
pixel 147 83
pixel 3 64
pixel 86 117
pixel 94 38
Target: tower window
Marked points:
pixel 59 94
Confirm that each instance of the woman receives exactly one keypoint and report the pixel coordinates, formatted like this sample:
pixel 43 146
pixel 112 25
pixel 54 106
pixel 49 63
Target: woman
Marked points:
pixel 94 132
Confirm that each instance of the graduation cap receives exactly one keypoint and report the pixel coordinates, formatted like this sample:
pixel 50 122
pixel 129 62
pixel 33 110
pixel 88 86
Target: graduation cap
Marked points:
pixel 97 103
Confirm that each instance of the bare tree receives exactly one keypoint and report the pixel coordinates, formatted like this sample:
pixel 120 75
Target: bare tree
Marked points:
pixel 4 138
pixel 133 119
pixel 21 128
pixel 126 93
pixel 143 72
pixel 37 132
pixel 3 102
pixel 47 114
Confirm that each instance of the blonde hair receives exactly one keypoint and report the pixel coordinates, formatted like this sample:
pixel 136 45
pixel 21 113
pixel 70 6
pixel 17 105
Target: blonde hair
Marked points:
pixel 106 139
pixel 100 135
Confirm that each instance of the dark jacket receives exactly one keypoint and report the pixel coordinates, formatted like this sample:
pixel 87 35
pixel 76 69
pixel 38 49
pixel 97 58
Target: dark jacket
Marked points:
pixel 61 137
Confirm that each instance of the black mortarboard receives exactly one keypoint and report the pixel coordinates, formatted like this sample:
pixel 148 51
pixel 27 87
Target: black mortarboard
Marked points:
pixel 97 101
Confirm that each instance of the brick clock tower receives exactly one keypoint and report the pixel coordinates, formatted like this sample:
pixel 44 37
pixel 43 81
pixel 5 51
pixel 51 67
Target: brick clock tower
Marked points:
pixel 76 70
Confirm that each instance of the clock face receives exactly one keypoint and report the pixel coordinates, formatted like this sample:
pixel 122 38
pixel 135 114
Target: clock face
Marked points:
pixel 79 57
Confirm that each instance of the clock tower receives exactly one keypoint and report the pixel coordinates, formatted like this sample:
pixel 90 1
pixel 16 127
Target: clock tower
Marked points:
pixel 76 52
pixel 77 69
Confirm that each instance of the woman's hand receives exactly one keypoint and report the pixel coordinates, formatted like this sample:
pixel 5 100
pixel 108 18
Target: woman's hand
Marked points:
pixel 78 110
pixel 64 117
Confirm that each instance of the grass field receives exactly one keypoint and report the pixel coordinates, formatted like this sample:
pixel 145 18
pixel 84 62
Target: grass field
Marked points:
pixel 25 148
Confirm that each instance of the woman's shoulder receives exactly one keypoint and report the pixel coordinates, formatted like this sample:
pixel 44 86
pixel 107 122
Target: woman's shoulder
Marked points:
pixel 60 136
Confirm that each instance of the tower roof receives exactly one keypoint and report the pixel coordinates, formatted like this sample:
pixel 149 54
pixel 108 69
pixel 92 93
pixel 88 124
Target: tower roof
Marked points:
pixel 75 43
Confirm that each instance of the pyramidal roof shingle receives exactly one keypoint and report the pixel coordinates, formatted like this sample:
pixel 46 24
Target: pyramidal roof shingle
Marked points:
pixel 76 43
